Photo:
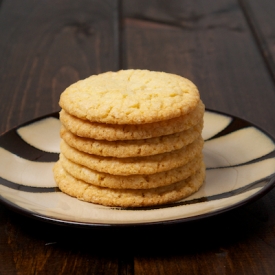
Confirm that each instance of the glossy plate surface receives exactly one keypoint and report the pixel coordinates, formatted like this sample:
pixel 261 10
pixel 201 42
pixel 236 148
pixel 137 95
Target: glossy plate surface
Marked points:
pixel 239 157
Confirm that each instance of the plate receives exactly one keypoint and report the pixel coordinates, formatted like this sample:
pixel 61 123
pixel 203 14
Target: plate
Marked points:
pixel 239 157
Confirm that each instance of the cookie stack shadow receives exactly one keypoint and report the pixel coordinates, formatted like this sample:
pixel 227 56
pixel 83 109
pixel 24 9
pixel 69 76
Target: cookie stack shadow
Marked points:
pixel 131 165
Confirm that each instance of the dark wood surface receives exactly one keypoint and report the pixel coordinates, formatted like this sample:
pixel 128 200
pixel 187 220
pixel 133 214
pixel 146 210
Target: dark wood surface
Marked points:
pixel 226 47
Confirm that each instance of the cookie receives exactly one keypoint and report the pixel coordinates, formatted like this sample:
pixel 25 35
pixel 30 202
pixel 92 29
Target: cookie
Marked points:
pixel 130 97
pixel 127 197
pixel 134 165
pixel 102 131
pixel 132 148
pixel 131 138
pixel 133 181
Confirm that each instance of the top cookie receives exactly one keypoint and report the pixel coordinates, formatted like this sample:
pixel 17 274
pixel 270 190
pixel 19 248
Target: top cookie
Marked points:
pixel 130 97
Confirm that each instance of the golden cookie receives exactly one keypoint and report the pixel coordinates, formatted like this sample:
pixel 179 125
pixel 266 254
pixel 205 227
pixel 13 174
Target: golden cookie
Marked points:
pixel 127 197
pixel 132 148
pixel 102 131
pixel 133 181
pixel 130 97
pixel 135 165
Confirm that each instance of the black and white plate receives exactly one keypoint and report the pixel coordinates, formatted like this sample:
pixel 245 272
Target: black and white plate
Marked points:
pixel 239 157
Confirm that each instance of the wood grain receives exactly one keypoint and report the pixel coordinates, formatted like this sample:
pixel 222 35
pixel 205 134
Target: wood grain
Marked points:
pixel 208 42
pixel 46 46
pixel 239 242
pixel 38 248
pixel 260 16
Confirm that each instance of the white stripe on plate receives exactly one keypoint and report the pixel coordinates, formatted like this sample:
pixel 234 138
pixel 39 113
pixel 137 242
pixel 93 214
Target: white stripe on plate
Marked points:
pixel 42 134
pixel 25 172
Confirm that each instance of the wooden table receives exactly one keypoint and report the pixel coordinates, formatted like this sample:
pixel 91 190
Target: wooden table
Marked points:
pixel 226 47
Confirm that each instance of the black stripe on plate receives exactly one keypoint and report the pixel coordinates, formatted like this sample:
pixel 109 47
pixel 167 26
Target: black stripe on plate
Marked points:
pixel 235 125
pixel 260 183
pixel 29 189
pixel 12 142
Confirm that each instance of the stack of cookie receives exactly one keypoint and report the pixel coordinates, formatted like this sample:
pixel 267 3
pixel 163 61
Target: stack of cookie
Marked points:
pixel 131 138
